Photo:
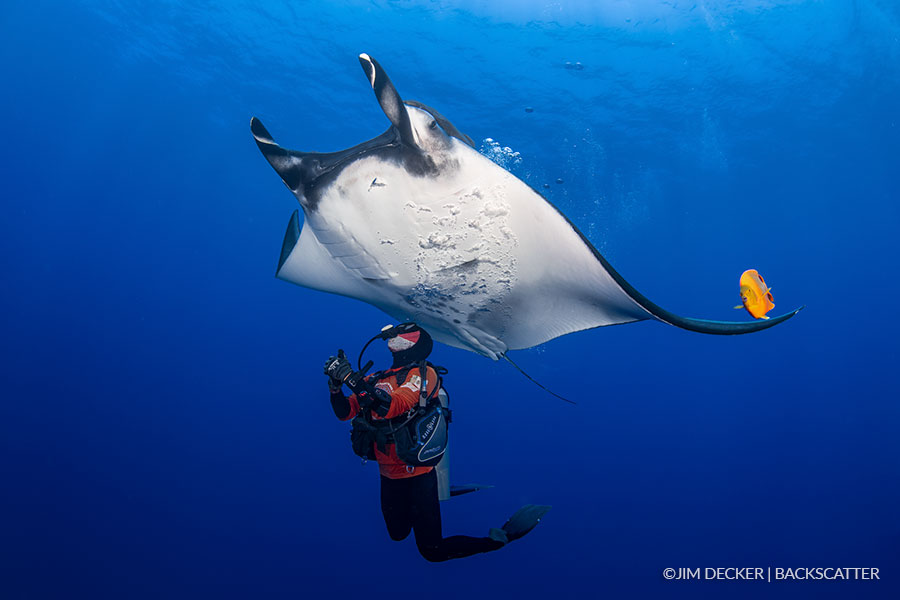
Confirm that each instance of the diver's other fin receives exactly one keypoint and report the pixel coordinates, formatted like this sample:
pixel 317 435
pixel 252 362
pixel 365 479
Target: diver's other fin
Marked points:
pixel 524 520
pixel 764 317
pixel 535 382
pixel 459 490
pixel 739 307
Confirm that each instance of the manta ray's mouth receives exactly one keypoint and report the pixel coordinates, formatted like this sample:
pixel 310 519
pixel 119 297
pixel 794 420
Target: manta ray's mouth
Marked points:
pixel 322 165
pixel 303 172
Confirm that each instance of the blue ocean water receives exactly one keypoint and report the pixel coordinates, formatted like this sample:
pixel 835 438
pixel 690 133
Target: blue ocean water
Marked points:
pixel 164 424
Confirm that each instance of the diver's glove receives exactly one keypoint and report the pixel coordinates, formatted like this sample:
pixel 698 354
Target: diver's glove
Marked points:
pixel 338 370
pixel 368 395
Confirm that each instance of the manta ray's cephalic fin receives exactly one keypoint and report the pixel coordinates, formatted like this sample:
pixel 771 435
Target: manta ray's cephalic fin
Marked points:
pixel 388 98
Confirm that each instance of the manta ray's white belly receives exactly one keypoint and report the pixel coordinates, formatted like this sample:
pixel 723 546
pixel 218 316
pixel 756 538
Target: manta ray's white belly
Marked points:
pixel 441 254
pixel 483 262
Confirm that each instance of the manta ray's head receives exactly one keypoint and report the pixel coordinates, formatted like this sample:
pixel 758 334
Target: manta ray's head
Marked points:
pixel 419 126
pixel 420 139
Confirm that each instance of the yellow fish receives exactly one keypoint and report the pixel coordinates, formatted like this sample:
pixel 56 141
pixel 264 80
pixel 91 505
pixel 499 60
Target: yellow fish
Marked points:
pixel 756 297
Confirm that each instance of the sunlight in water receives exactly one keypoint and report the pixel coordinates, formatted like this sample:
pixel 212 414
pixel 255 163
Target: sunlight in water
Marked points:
pixel 626 14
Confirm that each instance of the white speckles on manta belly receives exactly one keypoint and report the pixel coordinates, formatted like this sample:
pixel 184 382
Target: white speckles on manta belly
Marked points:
pixel 436 240
pixel 465 265
pixel 449 255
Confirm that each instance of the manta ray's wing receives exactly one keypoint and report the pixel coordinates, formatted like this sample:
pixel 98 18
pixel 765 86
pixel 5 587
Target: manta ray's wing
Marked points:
pixel 339 267
pixel 563 284
pixel 655 311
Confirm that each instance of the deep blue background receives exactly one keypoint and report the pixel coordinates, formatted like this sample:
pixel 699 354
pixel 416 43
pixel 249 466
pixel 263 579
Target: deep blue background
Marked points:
pixel 164 424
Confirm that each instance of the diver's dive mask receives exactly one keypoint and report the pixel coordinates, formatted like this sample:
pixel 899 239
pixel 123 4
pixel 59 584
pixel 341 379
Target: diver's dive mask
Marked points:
pixel 387 332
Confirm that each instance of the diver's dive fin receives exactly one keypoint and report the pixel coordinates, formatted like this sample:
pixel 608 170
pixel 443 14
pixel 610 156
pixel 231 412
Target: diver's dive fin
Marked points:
pixel 459 490
pixel 524 520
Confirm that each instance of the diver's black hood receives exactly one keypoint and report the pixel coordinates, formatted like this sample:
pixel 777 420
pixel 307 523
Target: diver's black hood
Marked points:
pixel 417 353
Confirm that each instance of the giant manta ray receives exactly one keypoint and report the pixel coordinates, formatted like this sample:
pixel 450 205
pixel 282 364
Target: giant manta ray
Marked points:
pixel 419 224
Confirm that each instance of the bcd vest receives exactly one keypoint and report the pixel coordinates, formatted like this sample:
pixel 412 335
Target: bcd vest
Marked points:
pixel 420 435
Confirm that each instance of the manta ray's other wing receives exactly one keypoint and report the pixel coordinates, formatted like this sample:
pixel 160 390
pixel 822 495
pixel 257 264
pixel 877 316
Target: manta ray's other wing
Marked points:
pixel 661 314
pixel 554 281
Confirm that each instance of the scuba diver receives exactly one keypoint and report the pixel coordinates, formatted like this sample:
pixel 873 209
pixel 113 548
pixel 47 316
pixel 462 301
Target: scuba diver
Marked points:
pixel 400 419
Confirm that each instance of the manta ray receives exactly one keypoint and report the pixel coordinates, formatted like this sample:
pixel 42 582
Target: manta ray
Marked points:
pixel 421 225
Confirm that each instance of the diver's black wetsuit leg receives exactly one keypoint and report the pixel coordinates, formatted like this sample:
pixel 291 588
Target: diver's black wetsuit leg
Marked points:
pixel 396 506
pixel 426 522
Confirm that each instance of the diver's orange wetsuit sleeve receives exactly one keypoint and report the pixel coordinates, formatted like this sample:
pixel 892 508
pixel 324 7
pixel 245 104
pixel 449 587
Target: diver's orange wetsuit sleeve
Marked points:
pixel 403 396
pixel 406 395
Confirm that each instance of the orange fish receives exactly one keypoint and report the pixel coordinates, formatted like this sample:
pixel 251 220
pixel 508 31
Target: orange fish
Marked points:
pixel 755 295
